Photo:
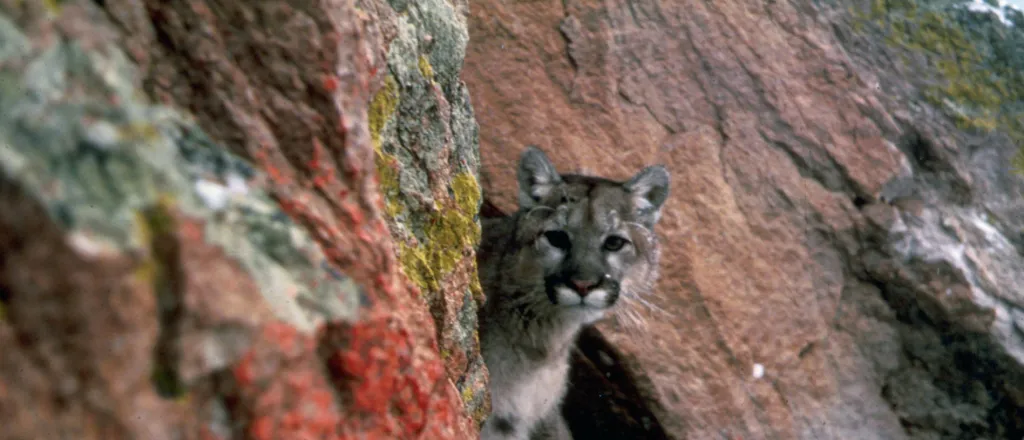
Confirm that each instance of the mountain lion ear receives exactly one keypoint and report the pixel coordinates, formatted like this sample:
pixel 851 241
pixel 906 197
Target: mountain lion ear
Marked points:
pixel 537 177
pixel 649 189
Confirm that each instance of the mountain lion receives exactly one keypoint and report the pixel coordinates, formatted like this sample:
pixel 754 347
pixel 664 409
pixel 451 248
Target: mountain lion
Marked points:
pixel 576 246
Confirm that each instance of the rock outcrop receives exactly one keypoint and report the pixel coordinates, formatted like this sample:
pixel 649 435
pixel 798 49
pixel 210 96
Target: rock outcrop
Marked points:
pixel 225 219
pixel 195 241
pixel 841 259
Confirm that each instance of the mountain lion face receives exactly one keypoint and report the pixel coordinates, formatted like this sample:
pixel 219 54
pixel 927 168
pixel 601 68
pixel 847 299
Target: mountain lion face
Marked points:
pixel 582 241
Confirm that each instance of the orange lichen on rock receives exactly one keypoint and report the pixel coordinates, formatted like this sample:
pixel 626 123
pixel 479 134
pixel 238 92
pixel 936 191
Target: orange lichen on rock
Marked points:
pixel 282 382
pixel 385 367
pixel 397 391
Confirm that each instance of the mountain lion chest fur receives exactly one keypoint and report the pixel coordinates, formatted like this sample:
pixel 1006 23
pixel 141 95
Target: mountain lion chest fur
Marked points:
pixel 576 245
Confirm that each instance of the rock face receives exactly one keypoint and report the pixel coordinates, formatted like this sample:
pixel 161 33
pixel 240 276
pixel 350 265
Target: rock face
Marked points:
pixel 841 259
pixel 193 238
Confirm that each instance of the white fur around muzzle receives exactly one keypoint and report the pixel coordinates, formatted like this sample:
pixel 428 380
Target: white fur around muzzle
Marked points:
pixel 598 298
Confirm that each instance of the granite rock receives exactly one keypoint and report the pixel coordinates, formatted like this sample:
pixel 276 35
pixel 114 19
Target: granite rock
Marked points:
pixel 194 239
pixel 807 291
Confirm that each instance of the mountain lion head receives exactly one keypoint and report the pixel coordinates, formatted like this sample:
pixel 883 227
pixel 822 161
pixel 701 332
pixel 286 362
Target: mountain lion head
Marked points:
pixel 580 242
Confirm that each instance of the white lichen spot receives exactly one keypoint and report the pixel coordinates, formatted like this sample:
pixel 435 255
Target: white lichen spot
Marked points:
pixel 992 235
pixel 1000 11
pixel 214 195
pixel 237 185
pixel 758 371
pixel 88 246
pixel 101 134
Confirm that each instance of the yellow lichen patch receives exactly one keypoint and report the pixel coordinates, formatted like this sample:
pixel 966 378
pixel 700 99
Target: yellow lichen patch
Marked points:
pixel 449 234
pixel 149 224
pixel 425 68
pixel 467 395
pixel 481 413
pixel 382 107
pixel 977 88
pixel 416 266
pixel 139 133
pixel 474 285
pixel 387 170
pixel 53 6
pixel 467 194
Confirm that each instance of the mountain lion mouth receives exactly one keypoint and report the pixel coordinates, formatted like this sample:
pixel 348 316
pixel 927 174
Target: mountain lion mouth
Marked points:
pixel 601 296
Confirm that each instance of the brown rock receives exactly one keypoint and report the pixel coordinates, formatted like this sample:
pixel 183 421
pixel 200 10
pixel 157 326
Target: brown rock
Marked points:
pixel 231 276
pixel 772 149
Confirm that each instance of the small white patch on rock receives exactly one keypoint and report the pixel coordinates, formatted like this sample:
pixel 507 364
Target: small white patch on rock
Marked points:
pixel 1000 12
pixel 101 134
pixel 214 195
pixel 964 239
pixel 237 185
pixel 991 234
pixel 758 371
pixel 89 247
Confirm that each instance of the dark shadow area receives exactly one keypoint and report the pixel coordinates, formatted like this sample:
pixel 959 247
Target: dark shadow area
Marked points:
pixel 604 401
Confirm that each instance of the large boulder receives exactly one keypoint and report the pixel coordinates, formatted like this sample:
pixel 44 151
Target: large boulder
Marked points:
pixel 840 259
pixel 195 241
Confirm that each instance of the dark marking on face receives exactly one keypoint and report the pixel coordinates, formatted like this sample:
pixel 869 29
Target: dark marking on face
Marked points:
pixel 550 282
pixel 613 287
pixel 505 425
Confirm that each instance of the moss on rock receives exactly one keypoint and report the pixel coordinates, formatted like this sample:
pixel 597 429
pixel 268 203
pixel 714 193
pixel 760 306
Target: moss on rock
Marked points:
pixel 427 159
pixel 448 234
pixel 382 107
pixel 84 142
pixel 982 75
pixel 425 68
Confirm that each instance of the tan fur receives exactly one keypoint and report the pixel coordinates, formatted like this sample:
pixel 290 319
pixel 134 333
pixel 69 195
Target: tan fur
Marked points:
pixel 576 246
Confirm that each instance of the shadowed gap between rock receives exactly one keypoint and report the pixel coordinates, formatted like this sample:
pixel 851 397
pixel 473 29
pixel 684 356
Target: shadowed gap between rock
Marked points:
pixel 167 278
pixel 967 357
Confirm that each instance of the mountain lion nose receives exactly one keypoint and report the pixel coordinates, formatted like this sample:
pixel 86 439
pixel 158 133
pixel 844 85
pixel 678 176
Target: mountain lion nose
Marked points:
pixel 583 286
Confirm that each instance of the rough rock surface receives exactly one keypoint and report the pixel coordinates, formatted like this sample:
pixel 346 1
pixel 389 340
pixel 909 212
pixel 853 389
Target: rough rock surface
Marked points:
pixel 427 154
pixel 220 265
pixel 841 260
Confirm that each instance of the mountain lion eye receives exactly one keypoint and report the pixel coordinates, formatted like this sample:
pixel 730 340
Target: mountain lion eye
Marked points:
pixel 558 239
pixel 614 243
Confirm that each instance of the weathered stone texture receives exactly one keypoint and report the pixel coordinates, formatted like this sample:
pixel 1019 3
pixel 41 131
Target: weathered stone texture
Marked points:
pixel 798 299
pixel 425 140
pixel 220 265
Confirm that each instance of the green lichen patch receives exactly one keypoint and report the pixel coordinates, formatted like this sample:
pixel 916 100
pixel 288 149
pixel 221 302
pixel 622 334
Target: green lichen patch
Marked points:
pixel 979 61
pixel 474 393
pixel 449 234
pixel 427 159
pixel 80 138
pixel 53 6
pixel 382 107
pixel 425 69
pixel 387 171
